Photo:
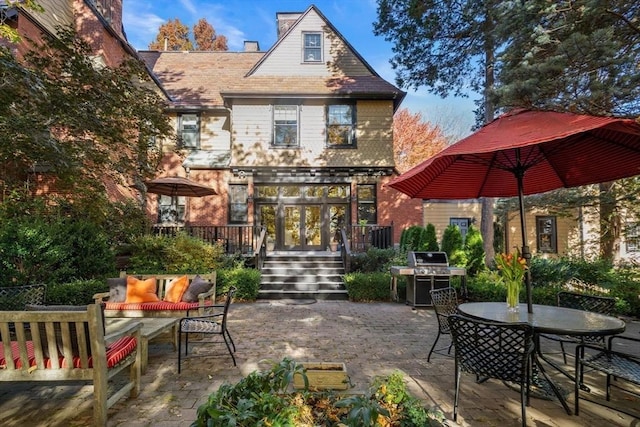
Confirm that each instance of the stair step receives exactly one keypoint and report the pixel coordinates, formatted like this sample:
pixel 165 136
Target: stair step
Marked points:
pixel 302 276
pixel 321 295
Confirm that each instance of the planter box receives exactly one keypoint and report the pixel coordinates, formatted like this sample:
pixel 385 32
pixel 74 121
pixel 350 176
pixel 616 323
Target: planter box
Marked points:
pixel 323 376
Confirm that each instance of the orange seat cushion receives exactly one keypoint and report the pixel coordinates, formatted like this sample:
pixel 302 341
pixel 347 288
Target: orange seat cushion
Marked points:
pixel 176 289
pixel 141 290
pixel 117 352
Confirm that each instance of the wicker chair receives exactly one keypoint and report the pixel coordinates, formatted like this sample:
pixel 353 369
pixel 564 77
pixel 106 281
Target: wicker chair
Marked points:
pixel 492 350
pixel 613 363
pixel 209 324
pixel 445 303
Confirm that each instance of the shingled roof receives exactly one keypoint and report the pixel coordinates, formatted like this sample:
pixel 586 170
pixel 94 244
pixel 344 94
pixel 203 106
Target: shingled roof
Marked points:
pixel 205 79
pixel 197 80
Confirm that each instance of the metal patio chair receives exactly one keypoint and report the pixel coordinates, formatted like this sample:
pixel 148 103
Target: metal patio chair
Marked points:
pixel 209 324
pixel 584 302
pixel 445 303
pixel 492 350
pixel 615 364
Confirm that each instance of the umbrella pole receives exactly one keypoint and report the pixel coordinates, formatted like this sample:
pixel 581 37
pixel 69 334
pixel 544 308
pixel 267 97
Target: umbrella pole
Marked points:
pixel 526 254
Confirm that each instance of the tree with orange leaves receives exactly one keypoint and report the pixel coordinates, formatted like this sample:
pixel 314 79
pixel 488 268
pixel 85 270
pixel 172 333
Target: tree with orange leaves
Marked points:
pixel 414 140
pixel 174 35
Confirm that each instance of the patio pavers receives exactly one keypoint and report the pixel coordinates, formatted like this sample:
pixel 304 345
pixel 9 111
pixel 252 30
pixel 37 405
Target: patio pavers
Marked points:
pixel 370 338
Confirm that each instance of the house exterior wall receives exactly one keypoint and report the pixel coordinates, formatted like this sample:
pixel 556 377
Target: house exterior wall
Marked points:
pixel 440 212
pixel 287 59
pixel 253 130
pixel 397 208
pixel 569 242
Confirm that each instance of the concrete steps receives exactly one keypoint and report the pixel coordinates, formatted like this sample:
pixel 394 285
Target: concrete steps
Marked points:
pixel 303 275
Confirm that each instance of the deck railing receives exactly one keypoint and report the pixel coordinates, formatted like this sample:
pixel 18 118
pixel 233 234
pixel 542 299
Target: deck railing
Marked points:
pixel 242 239
pixel 363 237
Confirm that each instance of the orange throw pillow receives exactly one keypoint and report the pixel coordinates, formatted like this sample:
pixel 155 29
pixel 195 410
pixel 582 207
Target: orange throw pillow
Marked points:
pixel 176 289
pixel 141 290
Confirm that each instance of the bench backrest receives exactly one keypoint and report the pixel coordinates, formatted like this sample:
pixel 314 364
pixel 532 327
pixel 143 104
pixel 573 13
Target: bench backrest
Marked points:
pixel 162 280
pixel 76 335
pixel 17 297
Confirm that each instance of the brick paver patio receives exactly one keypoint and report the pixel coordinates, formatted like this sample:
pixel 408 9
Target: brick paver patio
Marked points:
pixel 371 339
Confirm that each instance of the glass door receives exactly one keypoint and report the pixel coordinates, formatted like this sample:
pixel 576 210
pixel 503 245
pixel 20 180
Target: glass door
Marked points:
pixel 302 227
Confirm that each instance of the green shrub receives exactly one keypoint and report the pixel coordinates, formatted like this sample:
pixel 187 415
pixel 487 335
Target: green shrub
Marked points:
pixel 474 250
pixel 246 281
pixel 374 260
pixel 187 254
pixel 452 244
pixel 179 254
pixel 431 240
pixel 79 292
pixel 364 287
pixel 414 238
pixel 125 221
pixel 262 399
pixel 52 250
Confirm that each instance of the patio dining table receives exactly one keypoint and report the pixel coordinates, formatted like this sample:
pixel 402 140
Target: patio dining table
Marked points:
pixel 549 320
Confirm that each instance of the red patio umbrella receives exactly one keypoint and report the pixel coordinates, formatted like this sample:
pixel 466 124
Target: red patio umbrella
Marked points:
pixel 528 152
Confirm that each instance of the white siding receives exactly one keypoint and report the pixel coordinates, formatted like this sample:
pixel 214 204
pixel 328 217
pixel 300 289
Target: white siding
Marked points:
pixel 214 132
pixel 286 59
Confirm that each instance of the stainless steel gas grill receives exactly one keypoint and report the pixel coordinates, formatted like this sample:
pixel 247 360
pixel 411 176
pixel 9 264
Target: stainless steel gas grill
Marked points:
pixel 425 271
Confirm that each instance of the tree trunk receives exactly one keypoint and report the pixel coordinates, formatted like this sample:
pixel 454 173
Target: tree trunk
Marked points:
pixel 486 221
pixel 609 222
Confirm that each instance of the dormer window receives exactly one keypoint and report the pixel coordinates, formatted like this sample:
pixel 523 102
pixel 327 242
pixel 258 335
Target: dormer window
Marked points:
pixel 312 51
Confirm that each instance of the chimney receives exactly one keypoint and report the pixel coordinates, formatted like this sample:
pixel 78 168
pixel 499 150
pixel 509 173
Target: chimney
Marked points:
pixel 285 20
pixel 251 46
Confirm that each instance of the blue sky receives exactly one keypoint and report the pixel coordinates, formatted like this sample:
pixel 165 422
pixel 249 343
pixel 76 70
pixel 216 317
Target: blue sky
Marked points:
pixel 241 20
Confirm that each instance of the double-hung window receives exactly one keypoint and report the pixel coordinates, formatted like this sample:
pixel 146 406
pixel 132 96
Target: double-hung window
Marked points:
pixel 312 49
pixel 546 234
pixel 189 130
pixel 367 205
pixel 285 125
pixel 632 236
pixel 341 125
pixel 171 209
pixel 238 207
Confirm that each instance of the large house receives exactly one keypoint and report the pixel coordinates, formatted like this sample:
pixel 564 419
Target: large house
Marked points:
pixel 297 139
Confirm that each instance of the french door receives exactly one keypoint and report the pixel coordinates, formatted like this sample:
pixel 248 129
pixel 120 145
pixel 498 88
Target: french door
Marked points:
pixel 302 227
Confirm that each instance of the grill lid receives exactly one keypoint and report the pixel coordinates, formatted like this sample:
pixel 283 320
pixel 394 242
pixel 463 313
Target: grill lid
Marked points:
pixel 427 259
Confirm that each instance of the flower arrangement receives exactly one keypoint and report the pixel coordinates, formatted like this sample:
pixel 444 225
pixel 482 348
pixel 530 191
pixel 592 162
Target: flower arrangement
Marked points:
pixel 512 268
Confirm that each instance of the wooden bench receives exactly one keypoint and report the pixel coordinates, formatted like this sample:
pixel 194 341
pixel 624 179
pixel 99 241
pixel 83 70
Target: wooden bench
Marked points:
pixel 159 309
pixel 82 352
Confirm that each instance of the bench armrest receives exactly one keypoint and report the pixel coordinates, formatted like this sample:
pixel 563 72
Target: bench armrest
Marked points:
pixel 101 297
pixel 209 295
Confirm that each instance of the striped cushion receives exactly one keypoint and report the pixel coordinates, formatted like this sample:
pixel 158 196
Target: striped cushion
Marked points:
pixel 116 352
pixel 151 306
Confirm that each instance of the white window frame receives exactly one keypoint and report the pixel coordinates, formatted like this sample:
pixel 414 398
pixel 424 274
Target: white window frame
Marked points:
pixel 312 51
pixel 191 120
pixel 547 234
pixel 286 117
pixel 339 124
pixel 632 237
pixel 171 209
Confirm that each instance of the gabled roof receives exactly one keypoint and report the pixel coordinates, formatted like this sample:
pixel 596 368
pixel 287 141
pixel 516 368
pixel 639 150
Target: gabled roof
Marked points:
pixel 328 24
pixel 197 79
